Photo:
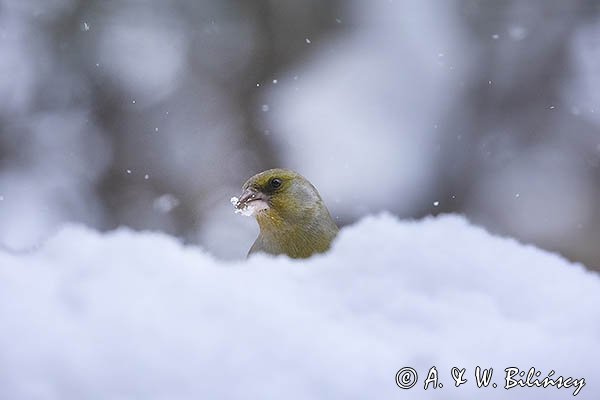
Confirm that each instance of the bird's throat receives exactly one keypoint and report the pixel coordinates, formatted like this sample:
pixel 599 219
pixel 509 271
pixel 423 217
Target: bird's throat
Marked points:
pixel 297 239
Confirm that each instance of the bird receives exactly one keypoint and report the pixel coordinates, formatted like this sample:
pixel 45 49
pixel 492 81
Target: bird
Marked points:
pixel 291 215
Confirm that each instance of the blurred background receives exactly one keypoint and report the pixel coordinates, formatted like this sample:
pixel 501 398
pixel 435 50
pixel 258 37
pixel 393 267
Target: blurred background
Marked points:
pixel 151 114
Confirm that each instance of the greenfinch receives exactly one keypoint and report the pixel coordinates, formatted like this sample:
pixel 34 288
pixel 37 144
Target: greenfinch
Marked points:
pixel 292 217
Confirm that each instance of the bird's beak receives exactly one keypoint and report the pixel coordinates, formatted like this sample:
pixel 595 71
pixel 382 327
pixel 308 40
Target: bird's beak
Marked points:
pixel 252 198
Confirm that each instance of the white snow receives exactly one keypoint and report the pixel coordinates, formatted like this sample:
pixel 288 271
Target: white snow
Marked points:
pixel 128 315
pixel 246 211
pixel 249 209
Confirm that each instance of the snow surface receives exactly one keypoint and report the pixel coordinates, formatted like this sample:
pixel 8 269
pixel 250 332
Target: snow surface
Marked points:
pixel 129 315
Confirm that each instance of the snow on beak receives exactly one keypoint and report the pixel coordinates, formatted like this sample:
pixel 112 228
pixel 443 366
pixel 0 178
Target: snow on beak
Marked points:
pixel 250 202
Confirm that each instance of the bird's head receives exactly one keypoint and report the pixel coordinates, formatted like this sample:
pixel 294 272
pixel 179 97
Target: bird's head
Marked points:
pixel 292 217
pixel 279 196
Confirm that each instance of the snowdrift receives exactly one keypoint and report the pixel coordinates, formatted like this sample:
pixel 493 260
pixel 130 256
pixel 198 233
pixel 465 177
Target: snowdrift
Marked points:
pixel 129 315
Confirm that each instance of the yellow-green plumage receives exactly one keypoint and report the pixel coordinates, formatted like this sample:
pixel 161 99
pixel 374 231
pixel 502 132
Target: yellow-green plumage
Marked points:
pixel 293 219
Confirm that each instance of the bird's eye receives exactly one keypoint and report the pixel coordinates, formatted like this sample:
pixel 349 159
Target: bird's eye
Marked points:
pixel 275 183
